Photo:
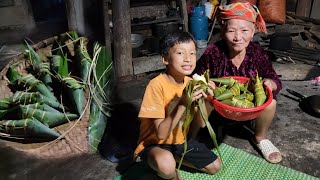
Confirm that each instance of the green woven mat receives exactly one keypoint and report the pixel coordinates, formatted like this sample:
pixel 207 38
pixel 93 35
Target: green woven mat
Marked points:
pixel 238 164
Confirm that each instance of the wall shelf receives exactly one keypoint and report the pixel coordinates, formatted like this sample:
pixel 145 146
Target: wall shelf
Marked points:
pixel 160 20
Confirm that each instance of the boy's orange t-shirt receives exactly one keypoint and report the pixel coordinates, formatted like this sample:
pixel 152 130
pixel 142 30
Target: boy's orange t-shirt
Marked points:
pixel 160 98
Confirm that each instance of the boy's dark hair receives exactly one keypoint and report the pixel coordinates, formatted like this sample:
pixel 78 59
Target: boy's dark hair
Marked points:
pixel 169 40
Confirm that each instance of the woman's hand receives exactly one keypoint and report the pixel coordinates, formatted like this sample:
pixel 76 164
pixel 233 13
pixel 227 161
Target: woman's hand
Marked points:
pixel 270 84
pixel 211 86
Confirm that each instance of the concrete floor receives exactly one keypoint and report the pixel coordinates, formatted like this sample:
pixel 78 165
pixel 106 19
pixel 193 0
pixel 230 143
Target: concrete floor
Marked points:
pixel 294 132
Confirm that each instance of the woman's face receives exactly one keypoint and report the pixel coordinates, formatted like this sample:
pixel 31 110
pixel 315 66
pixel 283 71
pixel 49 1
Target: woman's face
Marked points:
pixel 238 34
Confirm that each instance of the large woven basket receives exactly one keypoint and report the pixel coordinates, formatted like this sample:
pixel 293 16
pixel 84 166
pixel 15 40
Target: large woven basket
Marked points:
pixel 73 139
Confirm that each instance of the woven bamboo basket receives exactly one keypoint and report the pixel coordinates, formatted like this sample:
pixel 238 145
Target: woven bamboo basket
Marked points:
pixel 73 139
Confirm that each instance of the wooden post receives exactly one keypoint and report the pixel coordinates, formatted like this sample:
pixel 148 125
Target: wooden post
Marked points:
pixel 122 38
pixel 75 14
pixel 107 34
pixel 184 14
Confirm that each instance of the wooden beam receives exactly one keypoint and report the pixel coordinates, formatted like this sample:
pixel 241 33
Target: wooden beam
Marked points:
pixel 107 30
pixel 153 63
pixel 184 14
pixel 147 64
pixel 75 15
pixel 6 3
pixel 122 38
pixel 307 19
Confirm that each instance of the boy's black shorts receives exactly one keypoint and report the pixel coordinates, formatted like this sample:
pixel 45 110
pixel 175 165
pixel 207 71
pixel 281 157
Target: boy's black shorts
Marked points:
pixel 198 154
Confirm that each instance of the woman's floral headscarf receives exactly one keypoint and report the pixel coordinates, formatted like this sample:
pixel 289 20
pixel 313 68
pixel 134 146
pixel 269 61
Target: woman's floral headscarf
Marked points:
pixel 245 11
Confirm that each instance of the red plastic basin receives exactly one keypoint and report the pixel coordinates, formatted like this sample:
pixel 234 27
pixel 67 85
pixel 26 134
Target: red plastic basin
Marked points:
pixel 241 114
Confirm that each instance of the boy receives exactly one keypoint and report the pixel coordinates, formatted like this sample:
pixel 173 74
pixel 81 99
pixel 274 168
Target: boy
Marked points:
pixel 162 113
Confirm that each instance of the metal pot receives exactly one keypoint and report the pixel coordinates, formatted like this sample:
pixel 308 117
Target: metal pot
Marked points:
pixel 161 29
pixel 281 41
pixel 137 40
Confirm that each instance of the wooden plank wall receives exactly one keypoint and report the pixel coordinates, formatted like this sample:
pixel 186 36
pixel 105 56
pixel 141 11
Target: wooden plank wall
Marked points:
pixel 304 8
pixel 315 11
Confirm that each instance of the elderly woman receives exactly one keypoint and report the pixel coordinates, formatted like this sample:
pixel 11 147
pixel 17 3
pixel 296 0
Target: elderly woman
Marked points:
pixel 237 55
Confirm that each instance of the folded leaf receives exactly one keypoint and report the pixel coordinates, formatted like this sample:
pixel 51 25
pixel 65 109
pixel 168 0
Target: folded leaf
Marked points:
pixel 29 127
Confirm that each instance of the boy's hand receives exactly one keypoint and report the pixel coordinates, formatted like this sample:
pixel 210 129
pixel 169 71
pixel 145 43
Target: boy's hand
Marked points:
pixel 198 93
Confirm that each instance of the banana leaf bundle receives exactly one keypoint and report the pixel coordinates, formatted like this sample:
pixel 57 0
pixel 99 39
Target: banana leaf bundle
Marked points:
pixel 45 74
pixel 190 110
pixel 30 82
pixel 217 91
pixel 76 91
pixel 84 58
pixel 50 119
pixel 244 87
pixel 40 68
pixel 41 106
pixel 101 89
pixel 5 103
pixel 29 127
pixel 259 93
pixel 241 103
pixel 246 95
pixel 34 97
pixel 229 81
pixel 233 91
pixel 237 94
pixel 74 88
pixel 55 63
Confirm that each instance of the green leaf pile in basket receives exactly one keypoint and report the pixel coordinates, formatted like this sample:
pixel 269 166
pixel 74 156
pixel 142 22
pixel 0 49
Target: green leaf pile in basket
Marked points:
pixel 51 91
pixel 236 94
